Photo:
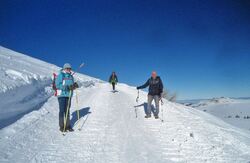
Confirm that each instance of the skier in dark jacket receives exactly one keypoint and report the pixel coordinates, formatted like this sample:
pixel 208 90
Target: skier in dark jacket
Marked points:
pixel 113 80
pixel 155 91
pixel 65 86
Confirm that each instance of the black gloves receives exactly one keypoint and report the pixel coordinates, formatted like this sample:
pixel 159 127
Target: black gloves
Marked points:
pixel 76 85
pixel 73 86
pixel 138 88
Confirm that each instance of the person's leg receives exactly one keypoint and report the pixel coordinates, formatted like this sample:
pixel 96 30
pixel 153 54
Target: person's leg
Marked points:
pixel 61 101
pixel 113 84
pixel 157 106
pixel 150 99
pixel 67 106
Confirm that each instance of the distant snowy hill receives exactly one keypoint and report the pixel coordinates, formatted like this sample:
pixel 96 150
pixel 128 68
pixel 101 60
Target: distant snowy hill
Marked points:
pixel 231 110
pixel 109 130
pixel 199 103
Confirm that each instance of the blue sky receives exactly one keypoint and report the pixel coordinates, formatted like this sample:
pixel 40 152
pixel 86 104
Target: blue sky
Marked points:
pixel 200 48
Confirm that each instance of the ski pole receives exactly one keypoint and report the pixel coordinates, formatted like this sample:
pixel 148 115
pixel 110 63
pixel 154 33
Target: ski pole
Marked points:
pixel 77 105
pixel 138 96
pixel 78 69
pixel 67 112
pixel 162 115
pixel 137 100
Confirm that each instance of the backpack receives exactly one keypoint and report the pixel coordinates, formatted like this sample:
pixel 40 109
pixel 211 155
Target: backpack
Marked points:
pixel 54 83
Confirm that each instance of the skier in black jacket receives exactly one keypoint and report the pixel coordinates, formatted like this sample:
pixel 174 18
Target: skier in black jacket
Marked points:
pixel 154 93
pixel 113 80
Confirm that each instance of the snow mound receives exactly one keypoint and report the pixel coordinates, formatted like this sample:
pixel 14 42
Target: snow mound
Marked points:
pixel 18 69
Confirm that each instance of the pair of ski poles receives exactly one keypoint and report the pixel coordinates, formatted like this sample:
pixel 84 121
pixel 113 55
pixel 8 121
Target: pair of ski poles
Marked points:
pixel 137 101
pixel 66 116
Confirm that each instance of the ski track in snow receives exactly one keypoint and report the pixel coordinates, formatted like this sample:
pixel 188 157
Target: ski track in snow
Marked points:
pixel 111 133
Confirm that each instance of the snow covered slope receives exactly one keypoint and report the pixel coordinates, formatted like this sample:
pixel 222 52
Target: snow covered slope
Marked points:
pixel 24 84
pixel 110 132
pixel 232 111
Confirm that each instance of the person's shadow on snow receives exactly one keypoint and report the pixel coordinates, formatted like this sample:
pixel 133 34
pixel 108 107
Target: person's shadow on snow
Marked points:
pixel 145 106
pixel 82 112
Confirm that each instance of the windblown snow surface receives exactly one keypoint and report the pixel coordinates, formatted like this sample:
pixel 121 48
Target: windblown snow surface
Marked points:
pixel 109 130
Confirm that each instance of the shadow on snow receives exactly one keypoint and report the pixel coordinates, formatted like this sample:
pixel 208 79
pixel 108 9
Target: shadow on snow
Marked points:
pixel 145 107
pixel 83 112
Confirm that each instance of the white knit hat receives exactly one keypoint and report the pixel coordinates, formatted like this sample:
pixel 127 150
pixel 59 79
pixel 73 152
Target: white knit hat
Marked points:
pixel 66 65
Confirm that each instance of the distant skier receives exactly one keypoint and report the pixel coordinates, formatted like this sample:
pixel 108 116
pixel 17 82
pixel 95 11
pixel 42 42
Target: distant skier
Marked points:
pixel 155 91
pixel 113 80
pixel 65 86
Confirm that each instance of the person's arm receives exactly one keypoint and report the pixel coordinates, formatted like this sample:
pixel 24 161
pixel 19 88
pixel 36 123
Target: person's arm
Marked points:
pixel 59 82
pixel 144 85
pixel 73 79
pixel 110 78
pixel 116 79
pixel 161 86
pixel 74 85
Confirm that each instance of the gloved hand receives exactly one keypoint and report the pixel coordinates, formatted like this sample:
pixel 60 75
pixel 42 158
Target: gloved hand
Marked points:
pixel 70 87
pixel 137 88
pixel 75 85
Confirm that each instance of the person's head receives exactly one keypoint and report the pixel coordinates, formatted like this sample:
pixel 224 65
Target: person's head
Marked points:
pixel 154 74
pixel 67 67
pixel 113 73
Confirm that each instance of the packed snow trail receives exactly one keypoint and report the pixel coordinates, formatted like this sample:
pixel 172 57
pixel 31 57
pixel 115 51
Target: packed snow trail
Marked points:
pixel 111 133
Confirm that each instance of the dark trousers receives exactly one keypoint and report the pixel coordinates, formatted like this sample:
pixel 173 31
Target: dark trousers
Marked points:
pixel 63 105
pixel 113 85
